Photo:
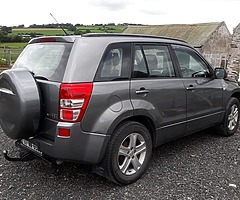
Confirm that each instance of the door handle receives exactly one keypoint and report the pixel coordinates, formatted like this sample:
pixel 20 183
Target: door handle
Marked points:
pixel 190 87
pixel 142 91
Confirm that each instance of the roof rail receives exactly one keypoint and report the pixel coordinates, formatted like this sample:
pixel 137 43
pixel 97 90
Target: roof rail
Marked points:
pixel 129 35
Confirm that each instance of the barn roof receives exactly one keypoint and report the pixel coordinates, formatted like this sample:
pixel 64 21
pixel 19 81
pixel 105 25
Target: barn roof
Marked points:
pixel 194 34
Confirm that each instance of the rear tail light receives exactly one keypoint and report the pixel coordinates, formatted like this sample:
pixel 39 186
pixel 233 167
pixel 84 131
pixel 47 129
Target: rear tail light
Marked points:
pixel 73 101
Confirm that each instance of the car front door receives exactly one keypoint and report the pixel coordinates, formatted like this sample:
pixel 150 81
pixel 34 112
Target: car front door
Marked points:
pixel 204 92
pixel 157 92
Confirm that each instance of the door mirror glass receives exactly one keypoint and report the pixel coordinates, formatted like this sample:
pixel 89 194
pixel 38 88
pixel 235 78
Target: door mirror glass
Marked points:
pixel 220 73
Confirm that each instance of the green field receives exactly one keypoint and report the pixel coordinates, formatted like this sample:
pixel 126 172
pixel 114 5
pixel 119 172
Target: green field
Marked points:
pixel 58 31
pixel 13 45
pixel 9 52
pixel 43 31
pixel 102 29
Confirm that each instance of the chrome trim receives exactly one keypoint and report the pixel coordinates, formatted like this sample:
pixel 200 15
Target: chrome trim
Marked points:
pixel 170 125
pixel 96 134
pixel 71 103
pixel 220 112
pixel 6 91
pixel 64 137
pixel 189 120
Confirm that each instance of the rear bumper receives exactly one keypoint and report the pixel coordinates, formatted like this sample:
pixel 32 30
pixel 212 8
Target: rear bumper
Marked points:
pixel 79 147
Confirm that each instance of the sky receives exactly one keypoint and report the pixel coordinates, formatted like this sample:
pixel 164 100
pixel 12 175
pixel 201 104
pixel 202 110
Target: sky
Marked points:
pixel 151 12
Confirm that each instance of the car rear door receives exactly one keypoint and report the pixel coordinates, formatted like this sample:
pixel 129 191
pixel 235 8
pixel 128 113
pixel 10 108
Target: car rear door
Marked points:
pixel 204 92
pixel 157 92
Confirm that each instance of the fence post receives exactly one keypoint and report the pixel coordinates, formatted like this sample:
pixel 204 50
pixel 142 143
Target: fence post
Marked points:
pixel 10 57
pixel 4 52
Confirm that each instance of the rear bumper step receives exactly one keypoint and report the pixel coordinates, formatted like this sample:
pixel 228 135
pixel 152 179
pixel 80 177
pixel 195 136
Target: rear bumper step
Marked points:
pixel 49 161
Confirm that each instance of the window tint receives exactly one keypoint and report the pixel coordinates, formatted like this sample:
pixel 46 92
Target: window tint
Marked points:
pixel 115 64
pixel 191 64
pixel 45 59
pixel 112 65
pixel 140 68
pixel 152 61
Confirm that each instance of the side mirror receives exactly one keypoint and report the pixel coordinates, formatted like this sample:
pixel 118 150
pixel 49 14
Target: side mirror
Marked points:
pixel 220 73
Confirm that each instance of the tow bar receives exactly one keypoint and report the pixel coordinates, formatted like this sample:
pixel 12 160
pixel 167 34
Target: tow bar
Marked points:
pixel 27 156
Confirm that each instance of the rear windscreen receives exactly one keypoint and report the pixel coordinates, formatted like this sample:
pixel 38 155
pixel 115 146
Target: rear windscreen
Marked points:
pixel 46 60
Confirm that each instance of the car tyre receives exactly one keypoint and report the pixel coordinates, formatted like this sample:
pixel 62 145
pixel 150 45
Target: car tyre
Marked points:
pixel 231 119
pixel 128 153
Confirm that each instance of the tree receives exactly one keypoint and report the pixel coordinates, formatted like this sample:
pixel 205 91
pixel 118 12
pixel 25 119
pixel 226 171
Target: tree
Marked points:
pixel 71 27
pixel 78 32
pixel 3 38
pixel 16 38
pixel 5 30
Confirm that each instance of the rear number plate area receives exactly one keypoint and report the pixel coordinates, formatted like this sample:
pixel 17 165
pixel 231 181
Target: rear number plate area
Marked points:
pixel 31 146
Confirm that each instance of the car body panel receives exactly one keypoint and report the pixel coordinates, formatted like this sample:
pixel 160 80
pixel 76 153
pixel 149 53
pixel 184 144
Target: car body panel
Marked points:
pixel 204 102
pixel 49 91
pixel 109 105
pixel 165 104
pixel 80 147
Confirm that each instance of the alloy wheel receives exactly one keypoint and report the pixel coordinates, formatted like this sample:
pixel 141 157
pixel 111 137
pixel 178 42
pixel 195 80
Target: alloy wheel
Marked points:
pixel 131 154
pixel 233 117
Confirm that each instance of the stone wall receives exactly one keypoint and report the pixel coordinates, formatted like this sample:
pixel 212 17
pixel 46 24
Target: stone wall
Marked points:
pixel 234 61
pixel 218 42
pixel 216 49
pixel 217 60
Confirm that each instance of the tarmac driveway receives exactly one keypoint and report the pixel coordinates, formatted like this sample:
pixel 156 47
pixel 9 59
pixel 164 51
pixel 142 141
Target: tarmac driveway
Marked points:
pixel 200 166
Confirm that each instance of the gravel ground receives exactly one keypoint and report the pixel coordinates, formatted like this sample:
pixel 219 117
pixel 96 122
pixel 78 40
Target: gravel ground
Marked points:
pixel 200 166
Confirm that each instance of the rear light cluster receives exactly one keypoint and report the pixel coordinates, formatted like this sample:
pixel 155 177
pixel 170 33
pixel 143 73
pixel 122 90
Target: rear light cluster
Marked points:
pixel 73 101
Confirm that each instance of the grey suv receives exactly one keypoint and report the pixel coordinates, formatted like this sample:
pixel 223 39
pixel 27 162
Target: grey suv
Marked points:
pixel 108 100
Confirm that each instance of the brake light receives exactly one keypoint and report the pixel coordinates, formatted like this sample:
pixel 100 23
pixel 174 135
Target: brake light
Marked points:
pixel 73 101
pixel 47 40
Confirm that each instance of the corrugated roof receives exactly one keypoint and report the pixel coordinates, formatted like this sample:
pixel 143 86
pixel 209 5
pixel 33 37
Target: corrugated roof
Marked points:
pixel 194 34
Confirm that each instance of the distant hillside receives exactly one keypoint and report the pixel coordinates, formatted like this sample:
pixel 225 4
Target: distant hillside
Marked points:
pixel 58 31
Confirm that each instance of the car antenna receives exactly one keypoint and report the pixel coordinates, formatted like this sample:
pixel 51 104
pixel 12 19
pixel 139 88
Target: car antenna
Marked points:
pixel 59 25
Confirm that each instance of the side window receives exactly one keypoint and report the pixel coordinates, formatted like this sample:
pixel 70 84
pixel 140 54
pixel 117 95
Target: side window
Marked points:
pixel 191 64
pixel 152 61
pixel 115 64
pixel 140 68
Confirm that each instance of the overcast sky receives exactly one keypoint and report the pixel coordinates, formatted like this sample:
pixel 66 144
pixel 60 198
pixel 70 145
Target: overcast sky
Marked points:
pixel 152 12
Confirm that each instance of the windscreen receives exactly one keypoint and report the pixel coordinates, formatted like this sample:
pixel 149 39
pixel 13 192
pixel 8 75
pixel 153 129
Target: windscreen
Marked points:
pixel 45 60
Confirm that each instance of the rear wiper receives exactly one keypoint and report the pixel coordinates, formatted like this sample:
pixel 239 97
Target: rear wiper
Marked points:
pixel 40 77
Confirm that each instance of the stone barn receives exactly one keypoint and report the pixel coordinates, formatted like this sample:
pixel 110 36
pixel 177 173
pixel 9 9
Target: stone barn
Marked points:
pixel 213 40
pixel 234 61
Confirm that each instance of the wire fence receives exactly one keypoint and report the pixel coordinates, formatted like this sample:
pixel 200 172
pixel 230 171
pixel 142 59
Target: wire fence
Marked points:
pixel 8 56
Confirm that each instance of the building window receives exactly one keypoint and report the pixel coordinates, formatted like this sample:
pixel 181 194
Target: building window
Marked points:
pixel 224 62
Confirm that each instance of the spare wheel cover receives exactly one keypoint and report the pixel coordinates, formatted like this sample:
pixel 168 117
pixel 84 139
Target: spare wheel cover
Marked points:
pixel 19 103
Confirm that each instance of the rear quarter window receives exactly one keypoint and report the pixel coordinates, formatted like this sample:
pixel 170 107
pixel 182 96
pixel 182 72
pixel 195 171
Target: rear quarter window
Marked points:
pixel 47 60
pixel 115 63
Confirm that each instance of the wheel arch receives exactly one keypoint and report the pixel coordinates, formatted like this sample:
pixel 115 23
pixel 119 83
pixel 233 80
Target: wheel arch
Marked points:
pixel 236 95
pixel 145 120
